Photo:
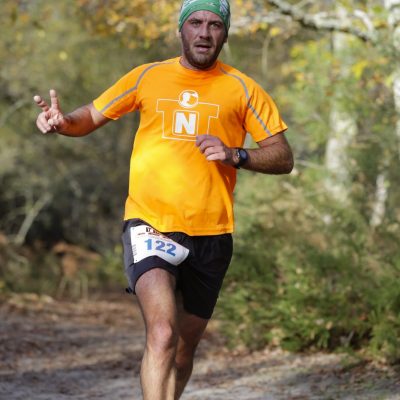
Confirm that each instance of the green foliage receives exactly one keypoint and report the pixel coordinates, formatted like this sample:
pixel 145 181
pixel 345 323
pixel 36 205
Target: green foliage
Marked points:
pixel 67 272
pixel 28 270
pixel 55 188
pixel 59 184
pixel 110 273
pixel 308 273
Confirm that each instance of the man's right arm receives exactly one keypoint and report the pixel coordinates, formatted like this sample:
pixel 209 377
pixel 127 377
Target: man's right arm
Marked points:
pixel 83 121
pixel 80 122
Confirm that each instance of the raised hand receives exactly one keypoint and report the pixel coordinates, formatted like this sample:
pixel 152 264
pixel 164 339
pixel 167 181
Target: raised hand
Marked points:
pixel 51 119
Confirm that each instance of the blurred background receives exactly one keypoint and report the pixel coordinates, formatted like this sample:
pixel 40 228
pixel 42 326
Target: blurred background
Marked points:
pixel 317 255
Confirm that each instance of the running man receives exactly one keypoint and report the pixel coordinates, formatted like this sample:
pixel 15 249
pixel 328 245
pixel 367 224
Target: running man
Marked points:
pixel 195 113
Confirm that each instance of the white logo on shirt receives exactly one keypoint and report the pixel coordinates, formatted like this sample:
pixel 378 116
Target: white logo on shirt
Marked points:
pixel 186 117
pixel 189 99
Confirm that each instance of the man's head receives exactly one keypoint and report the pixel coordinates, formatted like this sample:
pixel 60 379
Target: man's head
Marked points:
pixel 203 27
pixel 218 7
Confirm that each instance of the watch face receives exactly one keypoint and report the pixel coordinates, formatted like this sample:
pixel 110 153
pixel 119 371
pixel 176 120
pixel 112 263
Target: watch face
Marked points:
pixel 243 154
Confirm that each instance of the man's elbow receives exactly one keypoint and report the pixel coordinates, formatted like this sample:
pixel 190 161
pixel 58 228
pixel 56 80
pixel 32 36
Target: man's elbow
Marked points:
pixel 287 159
pixel 287 165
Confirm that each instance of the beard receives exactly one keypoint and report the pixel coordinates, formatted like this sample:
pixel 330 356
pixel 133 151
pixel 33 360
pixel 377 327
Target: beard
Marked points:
pixel 201 60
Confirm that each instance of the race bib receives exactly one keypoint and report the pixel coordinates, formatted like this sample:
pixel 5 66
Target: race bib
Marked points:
pixel 147 242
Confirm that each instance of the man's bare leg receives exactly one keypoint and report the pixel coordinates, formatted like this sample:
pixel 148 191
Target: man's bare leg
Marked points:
pixel 191 329
pixel 155 292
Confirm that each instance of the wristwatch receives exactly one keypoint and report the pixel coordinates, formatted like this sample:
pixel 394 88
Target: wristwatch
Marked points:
pixel 242 156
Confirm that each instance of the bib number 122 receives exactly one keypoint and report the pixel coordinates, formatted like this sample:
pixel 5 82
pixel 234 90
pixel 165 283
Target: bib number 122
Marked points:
pixel 160 245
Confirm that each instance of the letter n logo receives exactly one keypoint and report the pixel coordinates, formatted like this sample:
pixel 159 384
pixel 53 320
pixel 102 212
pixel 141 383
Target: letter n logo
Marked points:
pixel 185 123
pixel 186 117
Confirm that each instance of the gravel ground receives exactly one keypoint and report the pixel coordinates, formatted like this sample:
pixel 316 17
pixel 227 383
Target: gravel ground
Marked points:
pixel 57 350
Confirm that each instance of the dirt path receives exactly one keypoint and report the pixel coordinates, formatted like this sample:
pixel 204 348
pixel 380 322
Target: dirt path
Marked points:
pixel 52 350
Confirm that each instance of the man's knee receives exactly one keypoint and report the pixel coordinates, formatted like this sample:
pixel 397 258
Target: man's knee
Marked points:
pixel 185 356
pixel 184 365
pixel 162 337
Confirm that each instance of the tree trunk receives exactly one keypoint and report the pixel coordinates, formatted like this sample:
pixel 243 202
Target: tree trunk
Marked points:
pixel 393 8
pixel 342 131
pixel 381 195
pixel 382 184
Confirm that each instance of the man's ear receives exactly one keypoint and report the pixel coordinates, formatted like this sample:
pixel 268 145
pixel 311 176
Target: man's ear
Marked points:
pixel 226 38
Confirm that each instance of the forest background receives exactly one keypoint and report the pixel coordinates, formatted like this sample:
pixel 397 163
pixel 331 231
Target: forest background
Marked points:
pixel 317 255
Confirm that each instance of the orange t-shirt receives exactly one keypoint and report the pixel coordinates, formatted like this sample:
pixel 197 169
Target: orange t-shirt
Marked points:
pixel 172 186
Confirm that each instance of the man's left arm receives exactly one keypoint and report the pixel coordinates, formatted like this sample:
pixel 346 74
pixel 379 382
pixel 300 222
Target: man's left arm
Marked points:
pixel 274 155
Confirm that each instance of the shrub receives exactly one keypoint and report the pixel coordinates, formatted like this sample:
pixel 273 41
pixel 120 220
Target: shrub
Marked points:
pixel 310 274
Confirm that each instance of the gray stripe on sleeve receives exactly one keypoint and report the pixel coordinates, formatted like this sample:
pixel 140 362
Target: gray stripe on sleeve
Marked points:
pixel 262 123
pixel 129 91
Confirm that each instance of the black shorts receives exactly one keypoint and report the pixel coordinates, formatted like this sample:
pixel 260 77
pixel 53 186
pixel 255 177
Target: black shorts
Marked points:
pixel 199 277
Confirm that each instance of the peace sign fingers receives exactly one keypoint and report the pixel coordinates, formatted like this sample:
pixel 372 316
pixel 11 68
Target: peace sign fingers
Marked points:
pixel 51 118
pixel 41 103
pixel 54 100
pixel 55 104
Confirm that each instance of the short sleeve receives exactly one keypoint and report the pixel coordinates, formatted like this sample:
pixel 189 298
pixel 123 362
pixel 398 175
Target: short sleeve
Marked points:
pixel 262 119
pixel 121 98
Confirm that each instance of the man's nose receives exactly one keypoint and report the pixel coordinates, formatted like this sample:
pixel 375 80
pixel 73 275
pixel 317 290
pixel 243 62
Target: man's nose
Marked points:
pixel 204 31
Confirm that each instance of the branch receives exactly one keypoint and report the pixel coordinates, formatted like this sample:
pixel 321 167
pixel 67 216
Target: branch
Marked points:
pixel 364 17
pixel 318 23
pixel 12 109
pixel 30 218
pixel 242 23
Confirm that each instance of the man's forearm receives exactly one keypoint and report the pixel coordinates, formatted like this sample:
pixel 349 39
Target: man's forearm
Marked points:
pixel 276 158
pixel 82 121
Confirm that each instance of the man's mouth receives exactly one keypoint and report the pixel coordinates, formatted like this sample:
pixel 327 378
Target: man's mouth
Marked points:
pixel 203 46
pixel 205 50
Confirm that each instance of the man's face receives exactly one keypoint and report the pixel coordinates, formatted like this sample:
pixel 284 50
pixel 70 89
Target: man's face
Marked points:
pixel 203 35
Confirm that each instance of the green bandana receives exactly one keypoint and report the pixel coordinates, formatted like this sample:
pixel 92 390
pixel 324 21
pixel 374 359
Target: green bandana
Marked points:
pixel 219 7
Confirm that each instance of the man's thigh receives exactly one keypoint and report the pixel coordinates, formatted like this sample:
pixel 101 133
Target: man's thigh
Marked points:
pixel 155 291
